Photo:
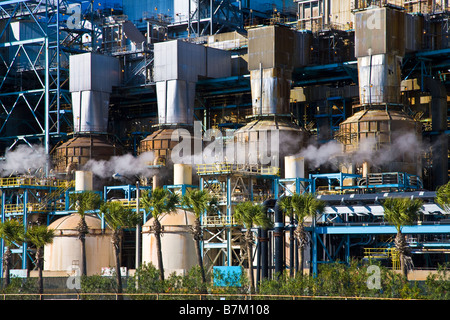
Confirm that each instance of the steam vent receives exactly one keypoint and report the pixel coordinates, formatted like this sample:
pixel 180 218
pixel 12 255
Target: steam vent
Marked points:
pixel 248 101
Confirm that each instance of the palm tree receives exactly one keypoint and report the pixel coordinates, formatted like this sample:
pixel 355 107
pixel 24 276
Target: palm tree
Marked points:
pixel 285 204
pixel 39 235
pixel 84 201
pixel 443 196
pixel 304 206
pixel 250 215
pixel 199 202
pixel 118 218
pixel 400 212
pixel 12 232
pixel 159 202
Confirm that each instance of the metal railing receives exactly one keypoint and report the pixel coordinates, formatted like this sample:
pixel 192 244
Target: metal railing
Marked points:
pixel 36 182
pixel 218 221
pixel 31 207
pixel 226 168
pixel 175 296
pixel 384 253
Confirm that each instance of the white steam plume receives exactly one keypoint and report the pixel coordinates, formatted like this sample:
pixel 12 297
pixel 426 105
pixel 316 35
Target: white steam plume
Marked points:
pixel 407 143
pixel 126 165
pixel 23 159
pixel 323 154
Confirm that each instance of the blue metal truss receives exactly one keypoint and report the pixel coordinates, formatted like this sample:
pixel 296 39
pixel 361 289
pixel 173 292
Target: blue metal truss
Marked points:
pixel 22 197
pixel 42 60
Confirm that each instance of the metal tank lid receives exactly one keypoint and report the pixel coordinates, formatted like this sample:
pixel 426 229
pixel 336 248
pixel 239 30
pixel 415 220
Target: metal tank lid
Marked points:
pixel 178 221
pixel 378 114
pixel 67 225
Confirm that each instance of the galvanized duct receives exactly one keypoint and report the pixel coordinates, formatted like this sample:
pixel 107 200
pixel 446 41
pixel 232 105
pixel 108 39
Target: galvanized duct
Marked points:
pixel 381 125
pixel 177 66
pixel 273 52
pixel 92 77
pixel 379 47
pixel 272 55
pixel 439 140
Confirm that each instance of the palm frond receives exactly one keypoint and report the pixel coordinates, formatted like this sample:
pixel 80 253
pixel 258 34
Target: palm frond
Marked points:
pixel 85 201
pixel 443 196
pixel 39 235
pixel 249 215
pixel 306 205
pixel 118 216
pixel 12 231
pixel 159 201
pixel 402 211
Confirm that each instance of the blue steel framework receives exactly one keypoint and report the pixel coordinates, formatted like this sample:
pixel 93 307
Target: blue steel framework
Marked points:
pixel 330 223
pixel 57 27
pixel 22 197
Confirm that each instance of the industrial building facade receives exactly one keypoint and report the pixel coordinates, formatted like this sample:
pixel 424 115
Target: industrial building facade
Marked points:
pixel 351 94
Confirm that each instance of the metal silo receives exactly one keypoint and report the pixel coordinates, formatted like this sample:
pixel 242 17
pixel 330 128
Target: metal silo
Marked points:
pixel 271 62
pixel 64 254
pixel 381 127
pixel 92 77
pixel 177 67
pixel 178 246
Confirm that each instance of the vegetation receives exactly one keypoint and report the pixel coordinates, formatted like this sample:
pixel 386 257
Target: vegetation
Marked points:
pixel 401 212
pixel 39 236
pixel 301 207
pixel 159 202
pixel 83 202
pixel 334 280
pixel 12 232
pixel 250 215
pixel 118 218
pixel 443 196
pixel 199 202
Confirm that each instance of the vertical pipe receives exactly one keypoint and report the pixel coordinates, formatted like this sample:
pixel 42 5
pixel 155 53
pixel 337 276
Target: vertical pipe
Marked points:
pixel 2 242
pixel 278 238
pixel 229 255
pixel 264 254
pixel 260 88
pixel 25 213
pixel 314 251
pixel 211 13
pixel 258 257
pixel 291 247
pixel 138 227
pixel 47 107
pixel 58 69
pixel 264 244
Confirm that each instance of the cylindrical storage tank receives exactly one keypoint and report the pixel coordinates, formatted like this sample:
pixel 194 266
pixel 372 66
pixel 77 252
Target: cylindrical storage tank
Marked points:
pixel 388 140
pixel 177 243
pixel 83 180
pixel 65 252
pixel 294 167
pixel 182 174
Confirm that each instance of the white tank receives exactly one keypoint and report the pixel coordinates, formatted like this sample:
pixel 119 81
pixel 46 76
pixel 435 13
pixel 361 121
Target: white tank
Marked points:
pixel 64 254
pixel 177 243
pixel 83 180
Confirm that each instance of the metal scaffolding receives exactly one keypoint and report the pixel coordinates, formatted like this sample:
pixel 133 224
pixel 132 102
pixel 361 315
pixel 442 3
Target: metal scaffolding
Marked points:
pixel 37 39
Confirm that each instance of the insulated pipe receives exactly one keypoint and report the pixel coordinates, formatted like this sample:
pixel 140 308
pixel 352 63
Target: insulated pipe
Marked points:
pixel 278 239
pixel 439 125
pixel 264 244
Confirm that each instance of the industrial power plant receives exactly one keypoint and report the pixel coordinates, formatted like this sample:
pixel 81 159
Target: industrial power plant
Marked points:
pixel 246 100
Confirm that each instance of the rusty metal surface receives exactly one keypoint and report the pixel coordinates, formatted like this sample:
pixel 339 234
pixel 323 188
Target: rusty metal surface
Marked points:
pixel 76 152
pixel 378 31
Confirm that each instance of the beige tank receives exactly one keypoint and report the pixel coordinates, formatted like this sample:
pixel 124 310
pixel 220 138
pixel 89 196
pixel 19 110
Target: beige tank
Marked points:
pixel 64 254
pixel 178 246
